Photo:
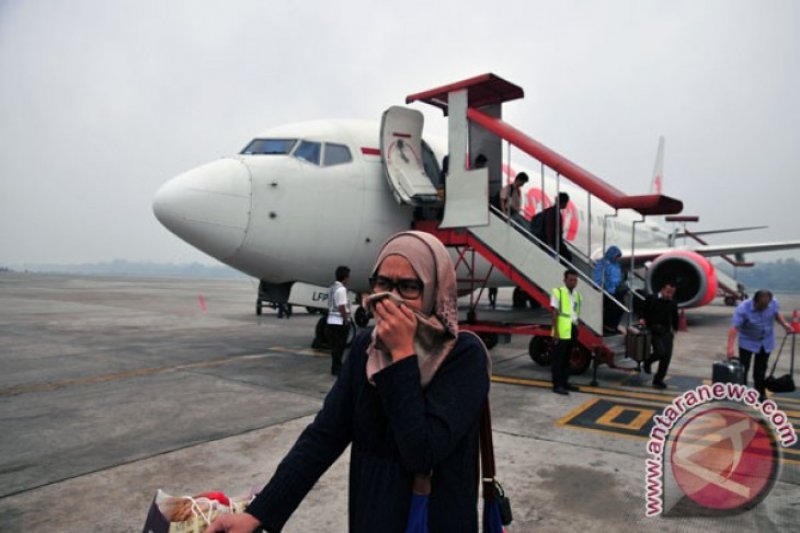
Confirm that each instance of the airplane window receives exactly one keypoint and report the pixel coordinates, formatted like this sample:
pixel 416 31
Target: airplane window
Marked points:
pixel 269 146
pixel 308 151
pixel 336 154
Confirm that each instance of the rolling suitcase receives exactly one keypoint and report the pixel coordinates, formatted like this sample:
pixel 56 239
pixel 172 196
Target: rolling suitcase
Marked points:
pixel 785 383
pixel 637 344
pixel 727 371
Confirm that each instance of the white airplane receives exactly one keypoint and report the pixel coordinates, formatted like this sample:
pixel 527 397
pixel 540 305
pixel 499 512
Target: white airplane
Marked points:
pixel 301 199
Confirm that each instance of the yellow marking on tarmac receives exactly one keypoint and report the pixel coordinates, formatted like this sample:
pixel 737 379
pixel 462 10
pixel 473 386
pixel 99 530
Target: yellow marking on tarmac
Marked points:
pixel 575 412
pixel 661 399
pixel 666 398
pixel 615 410
pixel 565 422
pixel 770 395
pixel 522 381
pixel 790 400
pixel 614 433
pixel 301 351
pixel 624 375
pixel 116 376
pixel 608 419
pixel 702 441
pixel 796 453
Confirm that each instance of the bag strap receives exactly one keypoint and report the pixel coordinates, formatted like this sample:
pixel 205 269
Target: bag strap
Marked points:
pixel 778 357
pixel 487 453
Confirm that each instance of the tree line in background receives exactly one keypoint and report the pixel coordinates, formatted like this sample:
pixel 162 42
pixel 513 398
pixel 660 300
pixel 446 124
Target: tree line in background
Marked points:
pixel 121 267
pixel 782 275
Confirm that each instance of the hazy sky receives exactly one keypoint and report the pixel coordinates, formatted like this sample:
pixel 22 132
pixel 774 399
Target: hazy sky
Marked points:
pixel 103 101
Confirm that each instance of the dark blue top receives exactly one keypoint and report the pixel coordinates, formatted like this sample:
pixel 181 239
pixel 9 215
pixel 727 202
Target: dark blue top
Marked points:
pixel 755 327
pixel 396 428
pixel 660 314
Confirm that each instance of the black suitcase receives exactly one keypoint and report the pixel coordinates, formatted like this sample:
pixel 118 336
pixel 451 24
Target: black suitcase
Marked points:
pixel 785 383
pixel 728 371
pixel 637 344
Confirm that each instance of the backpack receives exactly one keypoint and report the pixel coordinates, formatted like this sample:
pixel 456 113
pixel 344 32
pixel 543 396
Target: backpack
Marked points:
pixel 537 225
pixel 495 200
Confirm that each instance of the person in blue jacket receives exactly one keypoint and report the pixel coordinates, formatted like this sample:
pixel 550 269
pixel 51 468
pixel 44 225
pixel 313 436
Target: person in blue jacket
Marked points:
pixel 608 275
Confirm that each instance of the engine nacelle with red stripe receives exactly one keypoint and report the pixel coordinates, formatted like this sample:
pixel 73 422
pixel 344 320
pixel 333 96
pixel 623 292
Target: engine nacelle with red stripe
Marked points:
pixel 695 277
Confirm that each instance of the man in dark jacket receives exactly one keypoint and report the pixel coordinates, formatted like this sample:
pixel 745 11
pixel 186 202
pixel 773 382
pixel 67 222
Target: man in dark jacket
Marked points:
pixel 552 230
pixel 660 315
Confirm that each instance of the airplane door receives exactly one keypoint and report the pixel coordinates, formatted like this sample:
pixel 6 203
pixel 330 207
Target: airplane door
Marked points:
pixel 401 148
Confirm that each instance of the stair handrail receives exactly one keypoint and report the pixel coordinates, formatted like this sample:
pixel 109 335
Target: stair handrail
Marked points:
pixel 536 240
pixel 649 204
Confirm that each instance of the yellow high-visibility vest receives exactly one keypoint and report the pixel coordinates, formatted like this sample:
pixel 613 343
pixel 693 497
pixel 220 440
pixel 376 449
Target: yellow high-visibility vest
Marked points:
pixel 564 321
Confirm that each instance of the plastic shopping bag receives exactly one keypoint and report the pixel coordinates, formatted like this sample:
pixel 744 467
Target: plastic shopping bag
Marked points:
pixel 189 514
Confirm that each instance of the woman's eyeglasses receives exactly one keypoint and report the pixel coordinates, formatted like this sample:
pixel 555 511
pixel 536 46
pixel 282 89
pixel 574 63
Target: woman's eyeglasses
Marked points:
pixel 409 288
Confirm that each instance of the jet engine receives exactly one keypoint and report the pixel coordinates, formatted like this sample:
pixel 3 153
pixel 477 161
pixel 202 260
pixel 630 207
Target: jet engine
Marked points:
pixel 694 275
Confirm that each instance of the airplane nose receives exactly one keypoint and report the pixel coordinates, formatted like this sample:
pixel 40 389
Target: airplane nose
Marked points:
pixel 208 206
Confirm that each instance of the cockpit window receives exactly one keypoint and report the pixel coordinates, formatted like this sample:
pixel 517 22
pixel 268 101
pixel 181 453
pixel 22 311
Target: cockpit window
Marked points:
pixel 269 146
pixel 308 151
pixel 336 154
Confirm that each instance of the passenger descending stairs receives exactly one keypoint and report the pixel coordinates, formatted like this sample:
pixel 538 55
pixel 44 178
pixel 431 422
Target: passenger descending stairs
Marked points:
pixel 473 107
pixel 512 251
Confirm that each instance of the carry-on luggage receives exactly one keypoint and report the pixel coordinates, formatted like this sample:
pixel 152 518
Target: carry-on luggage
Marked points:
pixel 729 371
pixel 785 383
pixel 637 343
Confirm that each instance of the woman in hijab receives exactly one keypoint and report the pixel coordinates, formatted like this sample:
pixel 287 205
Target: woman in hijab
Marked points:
pixel 408 400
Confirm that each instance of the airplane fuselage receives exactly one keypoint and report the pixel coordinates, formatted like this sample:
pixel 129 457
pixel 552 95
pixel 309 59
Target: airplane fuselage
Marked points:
pixel 289 219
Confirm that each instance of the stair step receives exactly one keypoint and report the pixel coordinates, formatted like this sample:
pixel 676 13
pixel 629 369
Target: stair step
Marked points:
pixel 616 343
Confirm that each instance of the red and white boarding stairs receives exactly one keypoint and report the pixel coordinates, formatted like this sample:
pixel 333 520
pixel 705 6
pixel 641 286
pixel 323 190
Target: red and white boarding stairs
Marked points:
pixel 481 233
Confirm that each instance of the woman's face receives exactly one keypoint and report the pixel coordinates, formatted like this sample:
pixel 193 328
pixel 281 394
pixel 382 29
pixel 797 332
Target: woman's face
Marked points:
pixel 397 268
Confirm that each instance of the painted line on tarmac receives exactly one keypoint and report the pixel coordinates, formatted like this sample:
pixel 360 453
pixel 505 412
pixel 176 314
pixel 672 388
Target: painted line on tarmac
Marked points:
pixel 787 399
pixel 301 351
pixel 575 413
pixel 640 405
pixel 629 420
pixel 660 399
pixel 116 376
pixel 790 400
pixel 664 398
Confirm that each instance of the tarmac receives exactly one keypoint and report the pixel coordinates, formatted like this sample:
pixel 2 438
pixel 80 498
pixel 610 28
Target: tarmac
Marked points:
pixel 113 388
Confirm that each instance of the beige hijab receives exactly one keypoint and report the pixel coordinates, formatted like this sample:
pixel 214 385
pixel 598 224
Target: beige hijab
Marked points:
pixel 437 325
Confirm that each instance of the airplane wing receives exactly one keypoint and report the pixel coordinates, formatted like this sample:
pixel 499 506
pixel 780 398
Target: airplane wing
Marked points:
pixel 710 250
pixel 681 234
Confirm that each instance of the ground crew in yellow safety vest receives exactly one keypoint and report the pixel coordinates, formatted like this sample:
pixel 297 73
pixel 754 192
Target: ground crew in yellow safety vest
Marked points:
pixel 566 305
